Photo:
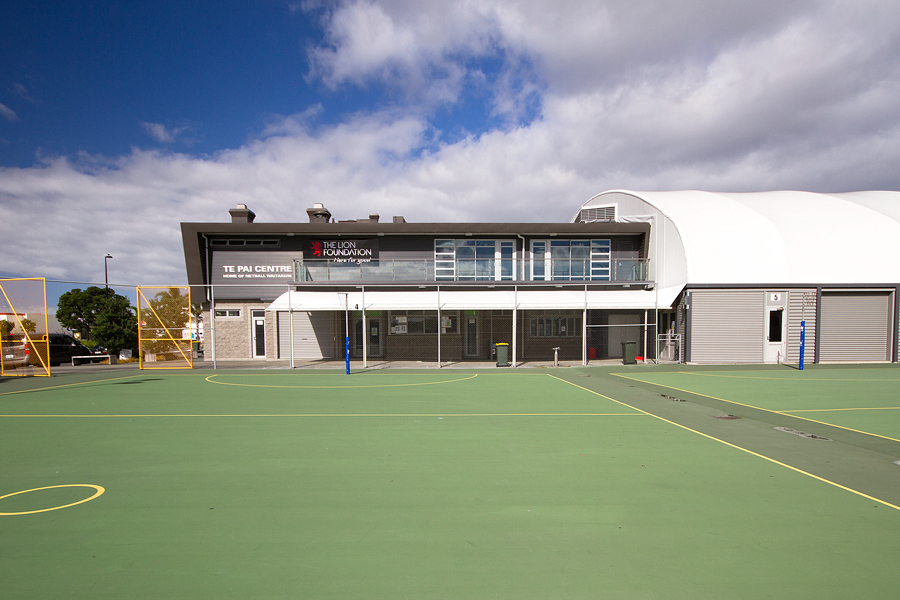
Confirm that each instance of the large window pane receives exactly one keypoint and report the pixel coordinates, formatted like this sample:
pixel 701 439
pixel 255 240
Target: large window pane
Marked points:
pixel 465 269
pixel 485 269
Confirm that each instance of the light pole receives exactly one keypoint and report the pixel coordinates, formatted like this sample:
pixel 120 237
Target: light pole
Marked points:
pixel 106 269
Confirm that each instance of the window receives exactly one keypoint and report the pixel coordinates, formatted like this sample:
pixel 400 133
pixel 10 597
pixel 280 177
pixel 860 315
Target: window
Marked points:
pixel 474 260
pixel 570 260
pixel 231 312
pixel 555 323
pixel 419 322
pixel 258 243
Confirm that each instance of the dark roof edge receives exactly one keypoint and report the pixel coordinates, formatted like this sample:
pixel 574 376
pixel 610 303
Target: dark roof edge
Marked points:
pixel 192 233
pixel 413 228
pixel 193 249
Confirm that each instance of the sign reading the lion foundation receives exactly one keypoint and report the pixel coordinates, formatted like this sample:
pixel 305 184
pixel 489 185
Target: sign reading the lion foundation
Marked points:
pixel 358 251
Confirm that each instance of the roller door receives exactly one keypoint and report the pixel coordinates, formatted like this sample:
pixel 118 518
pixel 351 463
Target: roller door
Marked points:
pixel 727 326
pixel 313 335
pixel 856 326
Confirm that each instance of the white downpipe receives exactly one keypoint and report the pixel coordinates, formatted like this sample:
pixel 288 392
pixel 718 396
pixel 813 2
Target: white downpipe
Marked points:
pixel 657 253
pixel 522 262
pixel 439 325
pixel 347 328
pixel 290 323
pixel 212 321
pixel 515 320
pixel 584 329
pixel 645 334
pixel 365 330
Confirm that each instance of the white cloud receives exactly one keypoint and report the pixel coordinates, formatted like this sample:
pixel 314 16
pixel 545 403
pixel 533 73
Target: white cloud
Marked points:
pixel 8 113
pixel 23 93
pixel 161 133
pixel 643 95
pixel 421 53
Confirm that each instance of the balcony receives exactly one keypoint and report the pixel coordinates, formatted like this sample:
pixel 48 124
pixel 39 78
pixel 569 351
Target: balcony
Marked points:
pixel 614 270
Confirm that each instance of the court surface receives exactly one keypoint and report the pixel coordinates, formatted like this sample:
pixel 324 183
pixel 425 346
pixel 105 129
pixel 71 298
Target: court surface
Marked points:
pixel 537 483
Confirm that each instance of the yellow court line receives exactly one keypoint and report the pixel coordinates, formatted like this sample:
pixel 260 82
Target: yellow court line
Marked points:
pixel 758 455
pixel 792 410
pixel 782 378
pixel 124 416
pixel 775 412
pixel 99 491
pixel 52 387
pixel 336 387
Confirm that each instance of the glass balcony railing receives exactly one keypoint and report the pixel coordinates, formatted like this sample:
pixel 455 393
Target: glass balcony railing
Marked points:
pixel 415 271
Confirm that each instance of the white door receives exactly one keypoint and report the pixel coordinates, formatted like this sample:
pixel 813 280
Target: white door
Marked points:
pixel 776 328
pixel 258 318
pixel 471 336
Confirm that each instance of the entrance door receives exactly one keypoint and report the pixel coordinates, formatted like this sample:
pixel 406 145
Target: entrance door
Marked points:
pixel 374 348
pixel 471 336
pixel 259 333
pixel 623 328
pixel 776 328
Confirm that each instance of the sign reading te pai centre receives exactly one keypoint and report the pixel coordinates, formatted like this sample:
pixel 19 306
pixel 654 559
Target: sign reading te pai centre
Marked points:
pixel 359 251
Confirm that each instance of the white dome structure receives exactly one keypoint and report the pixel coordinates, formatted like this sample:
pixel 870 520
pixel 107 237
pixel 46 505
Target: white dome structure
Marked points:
pixel 783 237
pixel 750 271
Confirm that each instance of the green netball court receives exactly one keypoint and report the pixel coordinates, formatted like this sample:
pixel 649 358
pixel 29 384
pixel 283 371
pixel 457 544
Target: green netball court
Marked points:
pixel 616 482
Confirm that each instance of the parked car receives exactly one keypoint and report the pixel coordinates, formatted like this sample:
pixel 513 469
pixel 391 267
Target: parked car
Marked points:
pixel 15 351
pixel 18 352
pixel 63 347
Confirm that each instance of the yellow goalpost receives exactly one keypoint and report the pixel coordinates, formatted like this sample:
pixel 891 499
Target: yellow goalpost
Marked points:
pixel 24 343
pixel 164 315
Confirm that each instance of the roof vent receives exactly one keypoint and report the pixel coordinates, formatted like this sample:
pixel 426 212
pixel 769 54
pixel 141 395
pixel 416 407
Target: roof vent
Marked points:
pixel 399 219
pixel 242 214
pixel 598 213
pixel 318 213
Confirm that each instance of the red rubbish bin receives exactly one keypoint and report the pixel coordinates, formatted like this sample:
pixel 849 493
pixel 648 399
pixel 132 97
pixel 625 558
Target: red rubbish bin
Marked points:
pixel 592 353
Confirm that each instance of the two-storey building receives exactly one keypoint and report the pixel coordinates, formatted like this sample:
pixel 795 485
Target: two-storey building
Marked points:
pixel 681 276
pixel 422 291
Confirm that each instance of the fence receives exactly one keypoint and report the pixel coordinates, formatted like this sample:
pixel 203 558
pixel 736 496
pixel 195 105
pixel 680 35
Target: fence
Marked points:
pixel 476 269
pixel 380 324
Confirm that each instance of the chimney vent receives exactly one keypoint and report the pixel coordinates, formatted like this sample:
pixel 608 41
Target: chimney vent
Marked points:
pixel 374 218
pixel 242 214
pixel 318 213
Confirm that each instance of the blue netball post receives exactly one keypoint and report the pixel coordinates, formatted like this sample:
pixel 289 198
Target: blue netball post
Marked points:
pixel 802 341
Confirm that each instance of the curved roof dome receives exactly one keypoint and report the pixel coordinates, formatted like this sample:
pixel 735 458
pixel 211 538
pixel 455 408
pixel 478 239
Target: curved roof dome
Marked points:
pixel 782 237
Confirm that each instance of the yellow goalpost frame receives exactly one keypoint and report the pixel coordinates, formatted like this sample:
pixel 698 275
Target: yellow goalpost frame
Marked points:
pixel 163 345
pixel 33 349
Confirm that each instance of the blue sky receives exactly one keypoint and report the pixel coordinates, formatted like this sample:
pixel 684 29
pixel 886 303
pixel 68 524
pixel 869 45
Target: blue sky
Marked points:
pixel 85 76
pixel 196 77
pixel 119 120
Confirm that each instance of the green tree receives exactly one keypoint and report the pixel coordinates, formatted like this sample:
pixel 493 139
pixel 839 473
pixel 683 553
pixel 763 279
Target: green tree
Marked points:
pixel 6 327
pixel 28 325
pixel 115 326
pixel 78 309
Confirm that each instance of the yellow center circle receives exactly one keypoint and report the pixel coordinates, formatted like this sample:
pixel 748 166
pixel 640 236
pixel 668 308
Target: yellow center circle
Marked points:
pixel 99 490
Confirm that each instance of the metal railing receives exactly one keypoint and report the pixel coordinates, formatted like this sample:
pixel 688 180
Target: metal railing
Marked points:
pixel 480 270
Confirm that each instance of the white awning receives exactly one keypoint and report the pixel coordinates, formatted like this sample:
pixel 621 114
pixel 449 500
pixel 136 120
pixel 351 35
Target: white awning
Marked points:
pixel 505 299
